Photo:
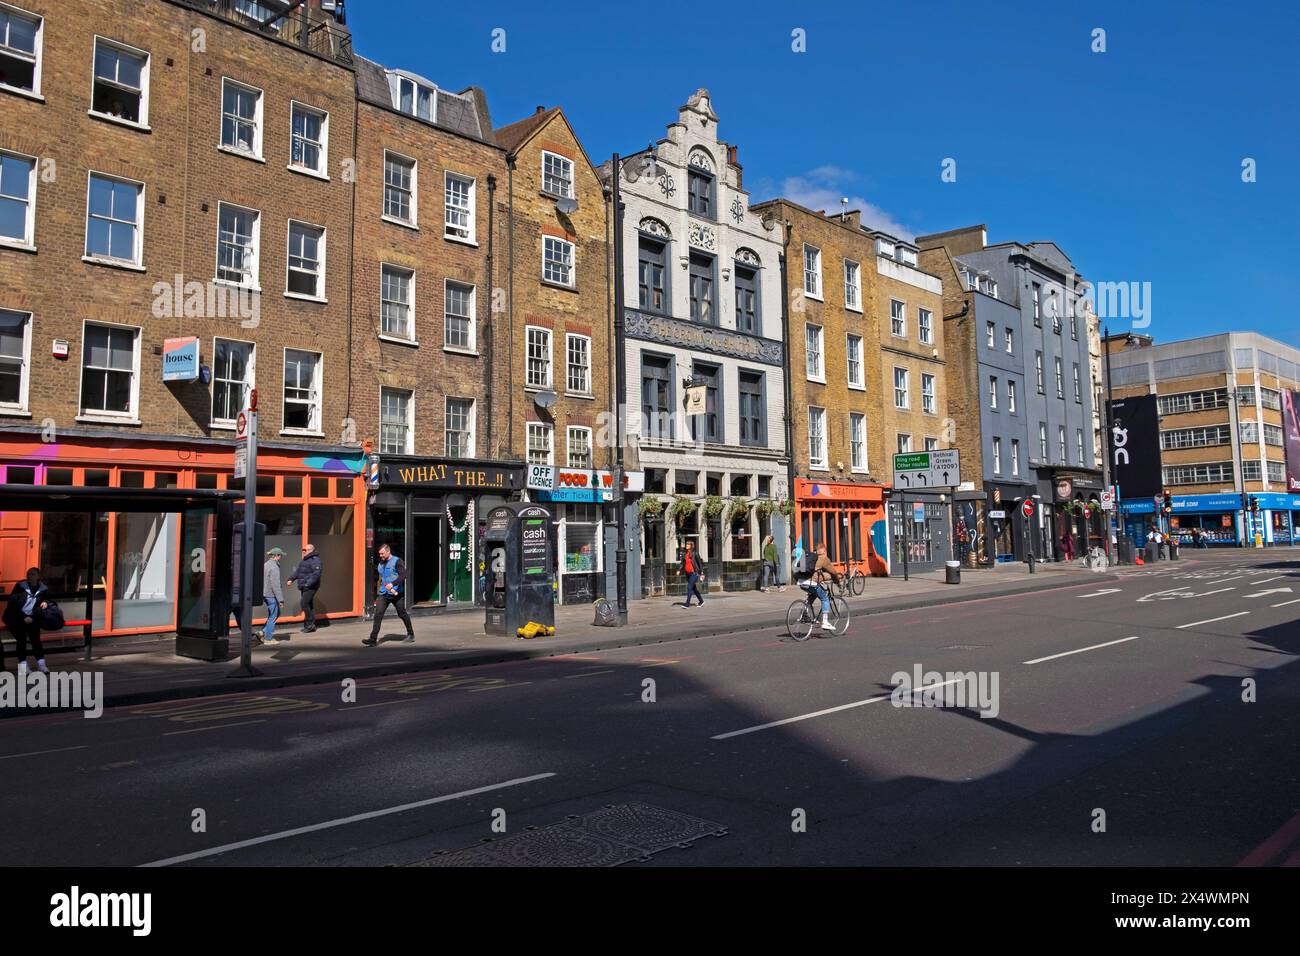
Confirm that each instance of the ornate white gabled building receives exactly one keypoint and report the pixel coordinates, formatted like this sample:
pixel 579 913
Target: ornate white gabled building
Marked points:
pixel 704 316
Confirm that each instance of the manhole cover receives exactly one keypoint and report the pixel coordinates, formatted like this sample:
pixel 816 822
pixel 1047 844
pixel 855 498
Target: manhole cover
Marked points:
pixel 610 836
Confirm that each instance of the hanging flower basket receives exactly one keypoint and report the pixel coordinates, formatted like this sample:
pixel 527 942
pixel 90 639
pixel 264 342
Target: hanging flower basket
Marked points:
pixel 714 505
pixel 649 507
pixel 679 510
pixel 738 508
pixel 787 508
pixel 765 507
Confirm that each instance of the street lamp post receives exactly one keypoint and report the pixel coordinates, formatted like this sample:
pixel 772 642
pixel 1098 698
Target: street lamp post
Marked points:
pixel 620 377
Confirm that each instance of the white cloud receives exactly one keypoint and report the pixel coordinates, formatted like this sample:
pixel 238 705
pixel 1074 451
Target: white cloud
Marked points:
pixel 816 190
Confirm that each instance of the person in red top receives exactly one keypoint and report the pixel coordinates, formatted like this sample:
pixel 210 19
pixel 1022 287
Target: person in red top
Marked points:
pixel 691 566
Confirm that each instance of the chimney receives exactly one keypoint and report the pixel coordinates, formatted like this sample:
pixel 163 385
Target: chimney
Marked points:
pixel 541 109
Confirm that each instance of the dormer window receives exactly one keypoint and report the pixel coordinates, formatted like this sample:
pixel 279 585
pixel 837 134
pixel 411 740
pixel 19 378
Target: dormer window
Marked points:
pixel 415 98
pixel 885 248
pixel 905 255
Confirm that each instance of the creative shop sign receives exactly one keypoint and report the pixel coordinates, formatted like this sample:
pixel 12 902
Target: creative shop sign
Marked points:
pixel 451 474
pixel 577 484
pixel 181 359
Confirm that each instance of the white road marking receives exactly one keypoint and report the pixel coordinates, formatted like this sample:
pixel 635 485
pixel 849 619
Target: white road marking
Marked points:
pixel 1092 647
pixel 823 713
pixel 344 821
pixel 1268 591
pixel 200 730
pixel 1220 591
pixel 1276 577
pixel 1285 603
pixel 1212 620
pixel 1101 592
pixel 37 753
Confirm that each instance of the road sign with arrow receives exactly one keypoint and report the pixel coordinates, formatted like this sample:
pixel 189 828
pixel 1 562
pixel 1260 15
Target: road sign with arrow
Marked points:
pixel 922 470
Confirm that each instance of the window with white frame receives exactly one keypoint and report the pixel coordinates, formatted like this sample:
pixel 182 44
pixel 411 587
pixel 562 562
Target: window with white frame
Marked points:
pixel 1249 432
pixel 241 118
pixel 579 446
pixel 1273 435
pixel 460 428
pixel 306 260
pixel 1205 473
pixel 1078 445
pixel 924 326
pixel 1060 441
pixel 904 443
pixel 813 352
pixel 416 99
pixel 557 260
pixel 541 449
pixel 538 357
pixel 927 393
pixel 997 456
pixel 853 352
pixel 15 359
pixel 460 207
pixel 993 392
pixel 1011 395
pixel 857 441
pixel 302 390
pixel 121 87
pixel 309 139
pixel 1010 336
pixel 929 443
pixel 17 199
pixel 20 49
pixel 110 370
pixel 897 318
pixel 901 399
pixel 1042 440
pixel 232 377
pixel 812 271
pixel 1038 310
pixel 1015 456
pixel 1060 379
pixel 396 302
pixel 816 437
pixel 990 333
pixel 459 305
pixel 557 175
pixel 1251 470
pixel 852 285
pixel 399 188
pixel 1078 390
pixel 578 364
pixel 1276 470
pixel 114 216
pixel 396 427
pixel 238 234
pixel 1038 371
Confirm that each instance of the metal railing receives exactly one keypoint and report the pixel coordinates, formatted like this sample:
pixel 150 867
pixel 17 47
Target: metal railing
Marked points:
pixel 300 25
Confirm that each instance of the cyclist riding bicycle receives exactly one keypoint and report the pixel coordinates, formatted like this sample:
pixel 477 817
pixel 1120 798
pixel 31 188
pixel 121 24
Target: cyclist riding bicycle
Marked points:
pixel 813 572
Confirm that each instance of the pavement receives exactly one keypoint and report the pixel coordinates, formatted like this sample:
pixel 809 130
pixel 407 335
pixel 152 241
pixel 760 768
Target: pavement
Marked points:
pixel 149 670
pixel 1142 720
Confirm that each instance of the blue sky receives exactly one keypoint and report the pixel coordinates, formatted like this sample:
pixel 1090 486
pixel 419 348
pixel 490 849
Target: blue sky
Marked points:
pixel 1131 159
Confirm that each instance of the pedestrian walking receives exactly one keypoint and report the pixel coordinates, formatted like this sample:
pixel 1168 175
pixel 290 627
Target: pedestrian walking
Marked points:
pixel 770 565
pixel 392 584
pixel 1067 545
pixel 273 595
pixel 307 577
pixel 691 567
pixel 22 615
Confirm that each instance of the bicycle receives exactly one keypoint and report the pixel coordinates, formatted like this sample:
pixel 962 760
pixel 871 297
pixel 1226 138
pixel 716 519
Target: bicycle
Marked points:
pixel 851 582
pixel 805 616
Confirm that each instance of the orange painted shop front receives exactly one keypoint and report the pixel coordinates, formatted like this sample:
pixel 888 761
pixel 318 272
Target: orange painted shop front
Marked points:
pixel 845 518
pixel 302 495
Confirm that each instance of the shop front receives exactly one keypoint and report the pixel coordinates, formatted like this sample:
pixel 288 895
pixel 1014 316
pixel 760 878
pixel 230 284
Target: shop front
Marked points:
pixel 430 512
pixel 302 495
pixel 583 502
pixel 1078 521
pixel 1001 534
pixel 1279 518
pixel 1219 518
pixel 847 520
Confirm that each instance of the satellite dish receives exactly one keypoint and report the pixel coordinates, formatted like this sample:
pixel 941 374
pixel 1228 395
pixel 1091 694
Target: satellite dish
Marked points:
pixel 544 399
pixel 568 206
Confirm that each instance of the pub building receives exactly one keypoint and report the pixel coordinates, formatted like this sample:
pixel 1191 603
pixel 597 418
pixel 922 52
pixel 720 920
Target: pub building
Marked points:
pixel 431 512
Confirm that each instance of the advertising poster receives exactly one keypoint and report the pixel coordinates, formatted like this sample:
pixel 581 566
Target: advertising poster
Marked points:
pixel 1136 442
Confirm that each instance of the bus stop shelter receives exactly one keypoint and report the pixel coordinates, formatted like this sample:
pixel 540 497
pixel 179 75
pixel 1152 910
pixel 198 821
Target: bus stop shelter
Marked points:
pixel 203 572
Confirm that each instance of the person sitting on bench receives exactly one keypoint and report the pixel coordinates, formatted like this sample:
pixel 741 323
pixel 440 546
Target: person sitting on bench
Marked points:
pixel 22 617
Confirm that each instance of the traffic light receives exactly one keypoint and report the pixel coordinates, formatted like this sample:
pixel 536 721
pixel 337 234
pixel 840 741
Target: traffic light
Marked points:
pixel 1169 501
pixel 1254 503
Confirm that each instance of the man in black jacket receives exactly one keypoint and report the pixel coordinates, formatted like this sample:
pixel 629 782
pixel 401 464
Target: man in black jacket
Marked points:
pixel 22 615
pixel 307 577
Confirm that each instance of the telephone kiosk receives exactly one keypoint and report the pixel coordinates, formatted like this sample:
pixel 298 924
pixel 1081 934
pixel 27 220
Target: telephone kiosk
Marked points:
pixel 518 543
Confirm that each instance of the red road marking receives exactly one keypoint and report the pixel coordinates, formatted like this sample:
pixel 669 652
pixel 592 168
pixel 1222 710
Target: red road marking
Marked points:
pixel 730 650
pixel 1275 844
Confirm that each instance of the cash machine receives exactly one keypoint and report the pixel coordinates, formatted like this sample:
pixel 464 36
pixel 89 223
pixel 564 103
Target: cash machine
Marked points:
pixel 518 543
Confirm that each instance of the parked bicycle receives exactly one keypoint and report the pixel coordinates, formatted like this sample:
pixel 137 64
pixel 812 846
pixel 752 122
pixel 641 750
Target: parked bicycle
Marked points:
pixel 805 616
pixel 852 582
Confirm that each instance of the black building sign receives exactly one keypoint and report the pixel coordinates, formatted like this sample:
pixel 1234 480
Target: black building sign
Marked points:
pixel 451 474
pixel 1136 447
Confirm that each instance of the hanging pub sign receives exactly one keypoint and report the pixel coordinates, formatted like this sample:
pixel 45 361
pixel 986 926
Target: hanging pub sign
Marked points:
pixel 696 399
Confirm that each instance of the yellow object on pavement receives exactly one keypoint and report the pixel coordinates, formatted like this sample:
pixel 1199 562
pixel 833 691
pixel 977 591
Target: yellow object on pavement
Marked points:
pixel 533 629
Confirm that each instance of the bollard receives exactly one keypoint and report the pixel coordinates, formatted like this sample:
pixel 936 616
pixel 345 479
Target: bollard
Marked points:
pixel 952 572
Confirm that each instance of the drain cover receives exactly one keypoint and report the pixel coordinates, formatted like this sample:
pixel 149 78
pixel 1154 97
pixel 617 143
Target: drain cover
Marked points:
pixel 616 834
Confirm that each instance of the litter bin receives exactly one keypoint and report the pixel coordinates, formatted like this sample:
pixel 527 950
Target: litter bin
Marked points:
pixel 952 572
